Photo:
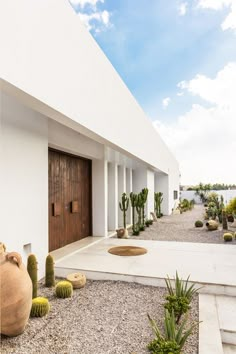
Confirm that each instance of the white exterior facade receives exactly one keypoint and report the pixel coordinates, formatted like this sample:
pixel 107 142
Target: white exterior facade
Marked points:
pixel 59 90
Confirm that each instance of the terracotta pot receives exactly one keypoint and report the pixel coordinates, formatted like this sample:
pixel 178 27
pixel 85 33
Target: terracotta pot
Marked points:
pixel 15 293
pixel 122 233
pixel 212 225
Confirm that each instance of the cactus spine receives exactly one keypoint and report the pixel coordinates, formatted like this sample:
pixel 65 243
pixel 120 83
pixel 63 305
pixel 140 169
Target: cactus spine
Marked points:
pixel 158 200
pixel 133 201
pixel 49 272
pixel 40 307
pixel 33 273
pixel 64 289
pixel 124 204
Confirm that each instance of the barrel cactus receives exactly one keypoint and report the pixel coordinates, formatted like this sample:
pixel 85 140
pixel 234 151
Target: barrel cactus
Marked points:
pixel 198 223
pixel 33 273
pixel 40 307
pixel 64 289
pixel 49 272
pixel 228 237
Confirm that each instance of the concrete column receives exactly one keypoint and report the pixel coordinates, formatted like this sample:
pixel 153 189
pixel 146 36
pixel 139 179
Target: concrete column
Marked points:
pixel 100 197
pixel 113 204
pixel 121 189
pixel 129 188
pixel 162 185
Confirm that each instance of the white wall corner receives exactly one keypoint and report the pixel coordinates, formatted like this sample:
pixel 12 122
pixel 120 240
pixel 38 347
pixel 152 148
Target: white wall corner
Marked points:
pixel 100 197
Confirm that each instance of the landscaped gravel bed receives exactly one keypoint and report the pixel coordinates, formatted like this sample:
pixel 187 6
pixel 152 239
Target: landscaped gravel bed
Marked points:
pixel 181 228
pixel 105 317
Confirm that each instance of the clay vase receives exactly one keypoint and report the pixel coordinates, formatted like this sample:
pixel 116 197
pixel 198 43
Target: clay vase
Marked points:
pixel 15 293
pixel 122 233
pixel 212 225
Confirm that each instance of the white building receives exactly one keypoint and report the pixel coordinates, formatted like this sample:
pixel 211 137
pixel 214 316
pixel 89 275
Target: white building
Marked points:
pixel 73 138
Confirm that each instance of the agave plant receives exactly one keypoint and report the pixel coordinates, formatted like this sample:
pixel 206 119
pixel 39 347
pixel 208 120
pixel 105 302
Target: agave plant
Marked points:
pixel 174 337
pixel 180 296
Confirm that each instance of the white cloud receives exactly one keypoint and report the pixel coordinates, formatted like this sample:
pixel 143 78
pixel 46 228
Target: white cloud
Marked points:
pixel 102 17
pixel 230 20
pixel 180 93
pixel 183 9
pixel 165 102
pixel 88 13
pixel 83 3
pixel 204 139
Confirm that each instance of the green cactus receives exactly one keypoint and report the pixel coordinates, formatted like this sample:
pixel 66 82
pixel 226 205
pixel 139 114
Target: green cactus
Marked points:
pixel 139 208
pixel 144 193
pixel 33 273
pixel 64 289
pixel 224 220
pixel 133 201
pixel 158 200
pixel 40 307
pixel 49 272
pixel 124 204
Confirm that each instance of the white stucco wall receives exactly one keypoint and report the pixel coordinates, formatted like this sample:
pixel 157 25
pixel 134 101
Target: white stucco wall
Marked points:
pixel 24 180
pixel 72 81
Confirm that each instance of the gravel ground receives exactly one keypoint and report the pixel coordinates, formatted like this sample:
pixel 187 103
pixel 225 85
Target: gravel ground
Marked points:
pixel 181 228
pixel 105 317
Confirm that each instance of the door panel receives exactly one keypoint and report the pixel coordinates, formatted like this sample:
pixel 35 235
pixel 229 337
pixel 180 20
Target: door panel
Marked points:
pixel 69 181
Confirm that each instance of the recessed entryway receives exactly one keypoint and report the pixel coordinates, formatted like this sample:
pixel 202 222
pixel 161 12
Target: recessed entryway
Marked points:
pixel 70 209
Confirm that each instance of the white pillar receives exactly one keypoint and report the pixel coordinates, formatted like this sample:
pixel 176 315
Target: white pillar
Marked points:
pixel 121 189
pixel 99 191
pixel 162 185
pixel 129 188
pixel 113 196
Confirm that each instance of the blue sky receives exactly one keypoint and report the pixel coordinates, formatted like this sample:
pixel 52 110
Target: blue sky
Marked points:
pixel 156 44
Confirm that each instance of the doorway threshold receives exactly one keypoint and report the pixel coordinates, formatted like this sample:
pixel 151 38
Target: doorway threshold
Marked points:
pixel 74 247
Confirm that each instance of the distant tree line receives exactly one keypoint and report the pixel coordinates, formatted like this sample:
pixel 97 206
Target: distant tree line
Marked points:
pixel 210 187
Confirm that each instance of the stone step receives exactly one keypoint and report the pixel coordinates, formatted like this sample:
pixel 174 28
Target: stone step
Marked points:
pixel 226 307
pixel 229 349
pixel 209 331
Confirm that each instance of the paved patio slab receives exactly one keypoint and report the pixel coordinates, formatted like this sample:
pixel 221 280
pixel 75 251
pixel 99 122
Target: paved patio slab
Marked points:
pixel 206 263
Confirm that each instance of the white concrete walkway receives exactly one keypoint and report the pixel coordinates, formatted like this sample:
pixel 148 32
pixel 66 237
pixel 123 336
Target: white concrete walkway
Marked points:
pixel 209 264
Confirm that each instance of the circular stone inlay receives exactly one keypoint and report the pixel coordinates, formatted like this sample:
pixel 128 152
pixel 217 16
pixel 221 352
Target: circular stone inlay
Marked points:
pixel 127 251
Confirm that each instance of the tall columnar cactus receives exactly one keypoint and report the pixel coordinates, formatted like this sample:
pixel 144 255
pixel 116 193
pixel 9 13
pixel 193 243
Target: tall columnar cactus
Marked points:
pixel 133 201
pixel 33 273
pixel 158 200
pixel 144 197
pixel 139 208
pixel 49 272
pixel 224 220
pixel 124 204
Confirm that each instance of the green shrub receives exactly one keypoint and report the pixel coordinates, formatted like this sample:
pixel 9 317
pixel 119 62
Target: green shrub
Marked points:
pixel 174 337
pixel 142 227
pixel 40 307
pixel 231 207
pixel 136 230
pixel 180 296
pixel 178 304
pixel 228 237
pixel 198 223
pixel 64 289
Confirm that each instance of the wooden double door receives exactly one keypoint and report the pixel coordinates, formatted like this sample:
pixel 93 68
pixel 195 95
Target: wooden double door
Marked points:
pixel 70 210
